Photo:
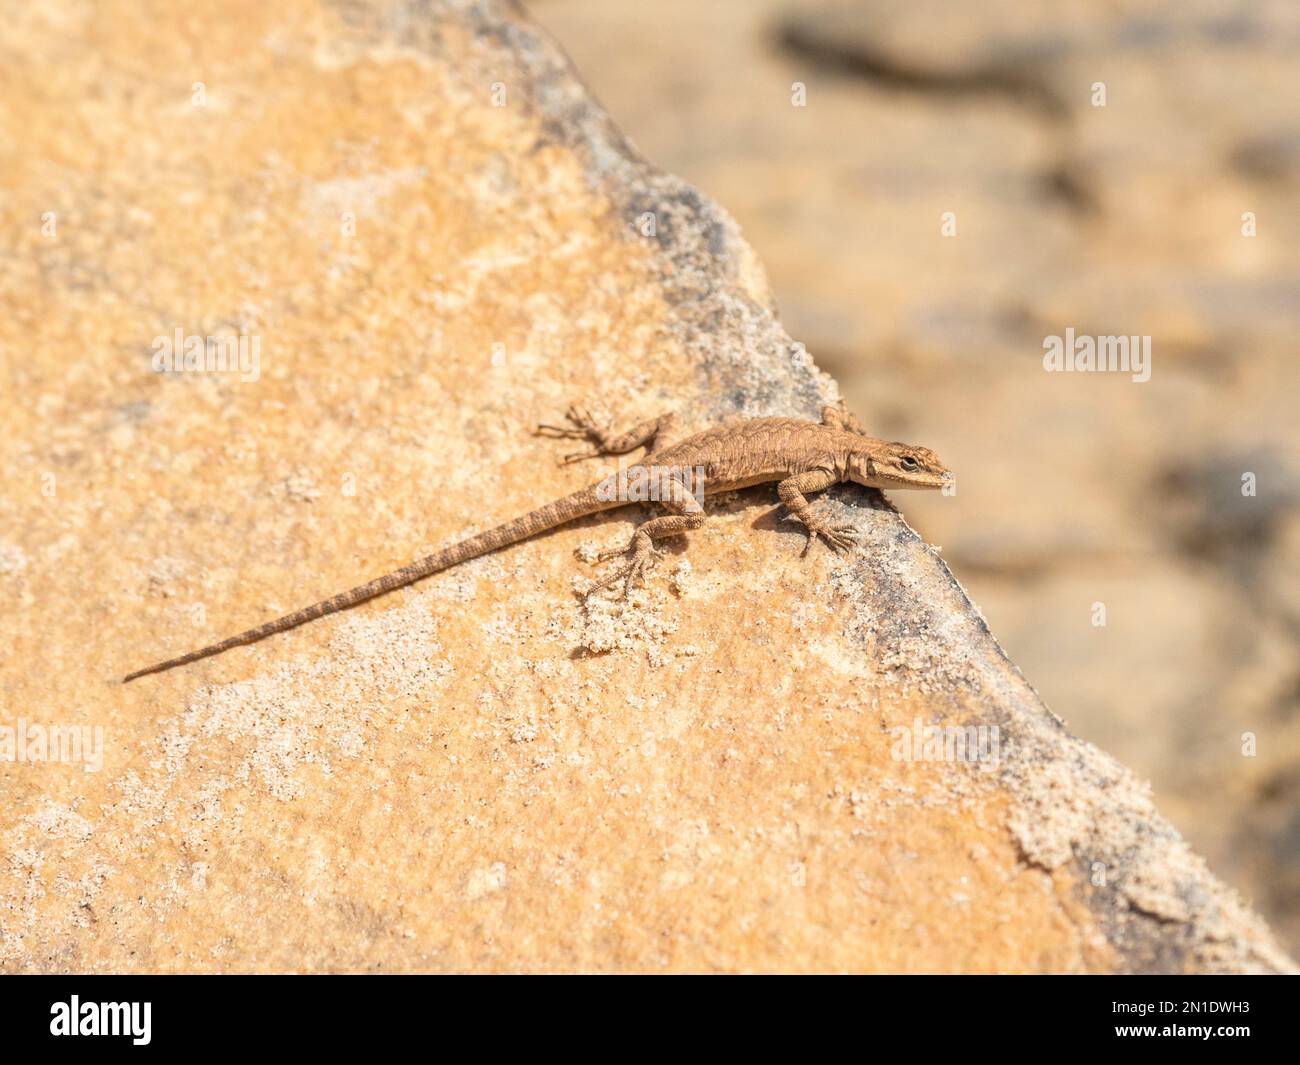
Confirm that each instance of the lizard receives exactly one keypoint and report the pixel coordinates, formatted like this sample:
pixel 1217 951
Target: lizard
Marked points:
pixel 800 456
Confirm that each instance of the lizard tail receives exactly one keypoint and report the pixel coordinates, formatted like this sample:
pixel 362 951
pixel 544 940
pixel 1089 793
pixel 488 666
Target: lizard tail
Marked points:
pixel 577 505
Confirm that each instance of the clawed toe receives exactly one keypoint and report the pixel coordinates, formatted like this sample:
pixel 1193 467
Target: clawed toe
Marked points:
pixel 625 575
pixel 559 432
pixel 583 423
pixel 634 572
pixel 582 426
pixel 580 416
pixel 839 538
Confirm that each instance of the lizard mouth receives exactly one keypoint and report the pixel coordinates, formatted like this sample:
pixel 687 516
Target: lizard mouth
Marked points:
pixel 919 480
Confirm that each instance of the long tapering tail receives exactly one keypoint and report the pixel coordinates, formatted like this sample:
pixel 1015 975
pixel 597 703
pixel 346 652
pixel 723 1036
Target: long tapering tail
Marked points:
pixel 570 508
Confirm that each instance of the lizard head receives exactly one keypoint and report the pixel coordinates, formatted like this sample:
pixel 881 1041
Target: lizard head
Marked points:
pixel 882 464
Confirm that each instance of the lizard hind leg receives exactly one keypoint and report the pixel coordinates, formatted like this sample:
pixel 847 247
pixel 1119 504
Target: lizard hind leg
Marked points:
pixel 644 555
pixel 687 513
pixel 651 434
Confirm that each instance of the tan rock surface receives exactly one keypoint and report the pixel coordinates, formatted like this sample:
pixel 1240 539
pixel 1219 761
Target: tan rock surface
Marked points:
pixel 476 773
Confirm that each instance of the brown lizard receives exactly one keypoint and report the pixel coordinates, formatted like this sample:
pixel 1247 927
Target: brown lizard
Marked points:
pixel 801 456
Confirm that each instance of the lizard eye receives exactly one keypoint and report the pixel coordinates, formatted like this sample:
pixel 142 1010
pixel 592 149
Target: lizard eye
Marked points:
pixel 909 464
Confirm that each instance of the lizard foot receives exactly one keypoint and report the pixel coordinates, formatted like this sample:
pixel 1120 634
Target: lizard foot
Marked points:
pixel 838 537
pixel 582 426
pixel 644 559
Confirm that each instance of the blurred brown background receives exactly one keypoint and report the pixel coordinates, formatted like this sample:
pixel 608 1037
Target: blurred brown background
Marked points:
pixel 1127 218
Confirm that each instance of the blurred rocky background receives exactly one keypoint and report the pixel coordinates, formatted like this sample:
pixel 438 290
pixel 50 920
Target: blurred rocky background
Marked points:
pixel 1104 165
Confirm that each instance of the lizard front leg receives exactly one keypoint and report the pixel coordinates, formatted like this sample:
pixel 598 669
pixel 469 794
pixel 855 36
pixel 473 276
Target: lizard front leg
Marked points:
pixel 686 513
pixel 791 490
pixel 653 434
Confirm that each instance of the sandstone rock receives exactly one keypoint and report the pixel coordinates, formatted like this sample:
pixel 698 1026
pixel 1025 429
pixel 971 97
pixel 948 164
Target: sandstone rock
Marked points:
pixel 438 239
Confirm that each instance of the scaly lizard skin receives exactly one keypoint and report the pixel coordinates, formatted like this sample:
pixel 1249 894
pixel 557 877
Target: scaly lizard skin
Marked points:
pixel 801 456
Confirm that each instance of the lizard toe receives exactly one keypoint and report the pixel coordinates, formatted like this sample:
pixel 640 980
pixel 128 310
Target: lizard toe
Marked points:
pixel 841 537
pixel 635 572
pixel 559 432
pixel 837 537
